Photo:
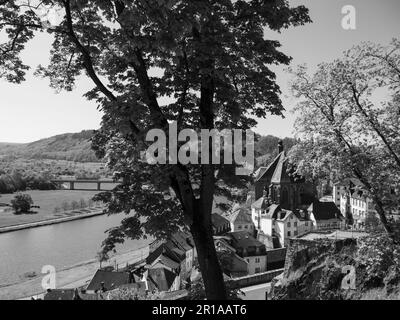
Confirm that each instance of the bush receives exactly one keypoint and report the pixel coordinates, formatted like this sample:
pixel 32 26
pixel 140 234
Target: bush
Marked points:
pixel 22 203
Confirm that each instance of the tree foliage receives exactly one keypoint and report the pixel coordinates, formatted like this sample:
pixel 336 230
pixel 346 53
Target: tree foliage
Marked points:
pixel 203 64
pixel 22 203
pixel 348 121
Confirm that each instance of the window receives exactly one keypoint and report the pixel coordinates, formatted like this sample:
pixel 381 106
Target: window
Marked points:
pixel 257 260
pixel 248 260
pixel 246 226
pixel 288 224
pixel 288 233
pixel 295 224
pixel 239 227
pixel 295 232
pixel 257 270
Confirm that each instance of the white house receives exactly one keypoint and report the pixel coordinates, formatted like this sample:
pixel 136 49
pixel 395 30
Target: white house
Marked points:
pixel 273 221
pixel 325 216
pixel 240 218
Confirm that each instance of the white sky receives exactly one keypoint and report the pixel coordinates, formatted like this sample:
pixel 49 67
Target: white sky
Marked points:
pixel 32 110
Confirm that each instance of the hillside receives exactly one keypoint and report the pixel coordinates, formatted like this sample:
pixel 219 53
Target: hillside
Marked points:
pixel 76 147
pixel 366 268
pixel 266 148
pixel 68 146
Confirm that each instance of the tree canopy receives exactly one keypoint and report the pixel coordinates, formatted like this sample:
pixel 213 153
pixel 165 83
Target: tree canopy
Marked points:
pixel 348 121
pixel 203 64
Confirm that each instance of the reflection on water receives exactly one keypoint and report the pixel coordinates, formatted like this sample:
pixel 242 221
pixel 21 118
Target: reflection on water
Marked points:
pixel 60 245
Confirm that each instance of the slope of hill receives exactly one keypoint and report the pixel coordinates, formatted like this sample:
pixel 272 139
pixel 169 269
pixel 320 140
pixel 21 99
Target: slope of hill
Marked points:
pixel 68 146
pixel 77 147
pixel 266 148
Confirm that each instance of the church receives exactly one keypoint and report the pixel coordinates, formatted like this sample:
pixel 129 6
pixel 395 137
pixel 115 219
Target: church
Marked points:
pixel 279 183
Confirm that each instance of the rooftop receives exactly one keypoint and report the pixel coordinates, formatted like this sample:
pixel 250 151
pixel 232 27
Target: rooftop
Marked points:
pixel 110 279
pixel 325 211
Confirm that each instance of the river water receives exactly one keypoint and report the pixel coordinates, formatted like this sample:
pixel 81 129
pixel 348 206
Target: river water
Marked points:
pixel 60 245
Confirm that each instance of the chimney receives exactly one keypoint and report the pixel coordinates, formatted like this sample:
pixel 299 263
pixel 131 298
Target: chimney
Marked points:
pixel 280 146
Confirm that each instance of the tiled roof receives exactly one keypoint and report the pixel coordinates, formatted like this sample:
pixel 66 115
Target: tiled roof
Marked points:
pixel 325 211
pixel 162 278
pixel 242 239
pixel 61 294
pixel 183 240
pixel 168 262
pixel 218 220
pixel 261 203
pixel 240 214
pixel 261 172
pixel 111 279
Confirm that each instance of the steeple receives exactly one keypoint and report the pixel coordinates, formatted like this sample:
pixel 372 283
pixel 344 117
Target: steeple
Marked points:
pixel 280 146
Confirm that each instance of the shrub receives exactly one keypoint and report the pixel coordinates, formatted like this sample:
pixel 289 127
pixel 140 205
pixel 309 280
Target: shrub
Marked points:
pixel 22 203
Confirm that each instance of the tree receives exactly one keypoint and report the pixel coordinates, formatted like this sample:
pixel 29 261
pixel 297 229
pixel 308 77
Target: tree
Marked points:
pixel 74 205
pixel 202 64
pixel 22 203
pixel 344 131
pixel 102 257
pixel 82 203
pixel 65 206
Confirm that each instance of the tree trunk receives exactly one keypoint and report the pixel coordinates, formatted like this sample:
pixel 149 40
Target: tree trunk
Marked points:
pixel 207 257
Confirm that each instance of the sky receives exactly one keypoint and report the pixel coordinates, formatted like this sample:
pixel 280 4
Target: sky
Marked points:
pixel 32 110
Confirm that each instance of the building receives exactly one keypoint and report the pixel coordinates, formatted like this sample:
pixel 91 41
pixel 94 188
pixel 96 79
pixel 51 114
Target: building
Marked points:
pixel 162 280
pixel 250 249
pixel 176 254
pixel 353 202
pixel 61 294
pixel 325 216
pixel 240 218
pixel 278 224
pixel 220 224
pixel 185 242
pixel 231 264
pixel 279 182
pixel 109 280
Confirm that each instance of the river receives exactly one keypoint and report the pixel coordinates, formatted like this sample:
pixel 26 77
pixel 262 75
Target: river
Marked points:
pixel 60 245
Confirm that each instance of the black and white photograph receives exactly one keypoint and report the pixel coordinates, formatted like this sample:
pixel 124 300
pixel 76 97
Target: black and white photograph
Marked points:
pixel 210 150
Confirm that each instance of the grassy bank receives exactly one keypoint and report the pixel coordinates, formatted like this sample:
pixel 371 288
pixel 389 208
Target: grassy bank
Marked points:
pixel 48 201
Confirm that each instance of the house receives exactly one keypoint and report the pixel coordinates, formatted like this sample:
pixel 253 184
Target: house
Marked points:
pixel 161 258
pixel 325 216
pixel 240 218
pixel 220 224
pixel 276 225
pixel 184 242
pixel 354 202
pixel 250 249
pixel 231 264
pixel 162 280
pixel 61 294
pixel 280 183
pixel 109 280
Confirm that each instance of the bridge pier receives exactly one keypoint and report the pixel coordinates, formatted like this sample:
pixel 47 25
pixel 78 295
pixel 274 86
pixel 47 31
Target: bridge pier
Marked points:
pixel 98 186
pixel 72 185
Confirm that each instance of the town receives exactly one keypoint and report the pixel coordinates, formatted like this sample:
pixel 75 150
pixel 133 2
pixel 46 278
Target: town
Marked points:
pixel 251 239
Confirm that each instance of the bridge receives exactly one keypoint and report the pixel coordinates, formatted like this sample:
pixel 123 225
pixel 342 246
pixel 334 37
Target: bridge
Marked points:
pixel 72 183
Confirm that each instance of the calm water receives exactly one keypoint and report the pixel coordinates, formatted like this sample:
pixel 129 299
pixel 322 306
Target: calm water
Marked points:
pixel 60 245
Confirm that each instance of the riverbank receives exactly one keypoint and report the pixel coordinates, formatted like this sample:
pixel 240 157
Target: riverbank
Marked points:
pixel 53 204
pixel 72 277
pixel 51 221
